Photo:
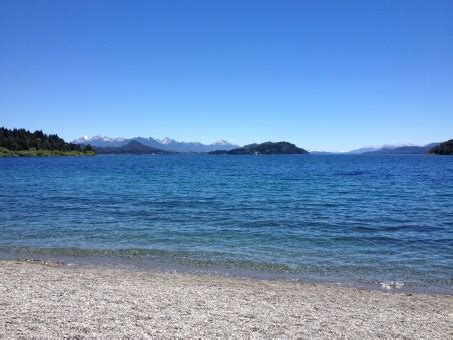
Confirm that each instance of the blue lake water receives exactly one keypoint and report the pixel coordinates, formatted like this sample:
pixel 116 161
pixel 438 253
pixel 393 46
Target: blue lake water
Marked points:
pixel 361 220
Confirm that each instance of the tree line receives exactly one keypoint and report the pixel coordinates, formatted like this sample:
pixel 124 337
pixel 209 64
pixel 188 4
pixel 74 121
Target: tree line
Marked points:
pixel 22 139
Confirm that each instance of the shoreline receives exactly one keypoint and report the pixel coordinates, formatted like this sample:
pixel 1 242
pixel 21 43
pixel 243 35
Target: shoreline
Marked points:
pixel 41 298
pixel 165 265
pixel 44 153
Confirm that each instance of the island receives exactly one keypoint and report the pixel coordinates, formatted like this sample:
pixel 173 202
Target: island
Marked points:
pixel 445 148
pixel 267 148
pixel 23 143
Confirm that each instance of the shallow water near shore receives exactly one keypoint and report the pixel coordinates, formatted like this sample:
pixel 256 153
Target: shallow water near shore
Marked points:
pixel 383 221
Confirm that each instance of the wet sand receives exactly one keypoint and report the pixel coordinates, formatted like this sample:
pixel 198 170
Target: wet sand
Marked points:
pixel 44 299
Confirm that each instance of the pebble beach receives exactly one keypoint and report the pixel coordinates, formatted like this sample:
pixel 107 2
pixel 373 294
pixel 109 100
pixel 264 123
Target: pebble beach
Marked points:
pixel 42 299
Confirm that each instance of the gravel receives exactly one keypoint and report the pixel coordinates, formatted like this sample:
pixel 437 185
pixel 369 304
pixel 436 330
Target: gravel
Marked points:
pixel 43 299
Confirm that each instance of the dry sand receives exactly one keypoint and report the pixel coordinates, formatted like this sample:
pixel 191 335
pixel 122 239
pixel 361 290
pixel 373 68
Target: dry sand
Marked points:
pixel 44 300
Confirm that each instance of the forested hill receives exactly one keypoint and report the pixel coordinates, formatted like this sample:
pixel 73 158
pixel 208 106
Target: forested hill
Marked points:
pixel 268 148
pixel 21 142
pixel 445 148
pixel 134 148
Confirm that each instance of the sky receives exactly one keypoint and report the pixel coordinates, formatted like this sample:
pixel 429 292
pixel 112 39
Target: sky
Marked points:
pixel 325 75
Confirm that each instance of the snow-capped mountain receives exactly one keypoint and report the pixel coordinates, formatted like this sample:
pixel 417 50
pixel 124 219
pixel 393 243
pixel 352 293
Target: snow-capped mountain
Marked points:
pixel 163 144
pixel 102 141
pixel 166 140
pixel 221 143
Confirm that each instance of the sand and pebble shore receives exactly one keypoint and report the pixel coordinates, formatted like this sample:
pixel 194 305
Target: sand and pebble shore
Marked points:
pixel 48 299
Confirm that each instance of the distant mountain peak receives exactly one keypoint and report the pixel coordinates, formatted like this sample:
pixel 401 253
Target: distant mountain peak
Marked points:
pixel 221 142
pixel 166 140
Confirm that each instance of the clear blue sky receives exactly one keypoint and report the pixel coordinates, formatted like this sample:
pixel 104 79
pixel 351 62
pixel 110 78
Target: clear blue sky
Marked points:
pixel 326 75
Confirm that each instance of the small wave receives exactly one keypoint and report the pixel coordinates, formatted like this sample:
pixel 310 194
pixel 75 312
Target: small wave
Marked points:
pixel 352 173
pixel 391 285
pixel 395 228
pixel 365 229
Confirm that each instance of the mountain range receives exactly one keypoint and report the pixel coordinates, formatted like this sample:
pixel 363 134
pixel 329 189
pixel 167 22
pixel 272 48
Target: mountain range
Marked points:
pixel 408 149
pixel 132 148
pixel 166 144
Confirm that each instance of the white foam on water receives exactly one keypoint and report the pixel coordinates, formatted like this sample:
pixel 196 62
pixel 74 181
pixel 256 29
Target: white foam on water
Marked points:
pixel 392 285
